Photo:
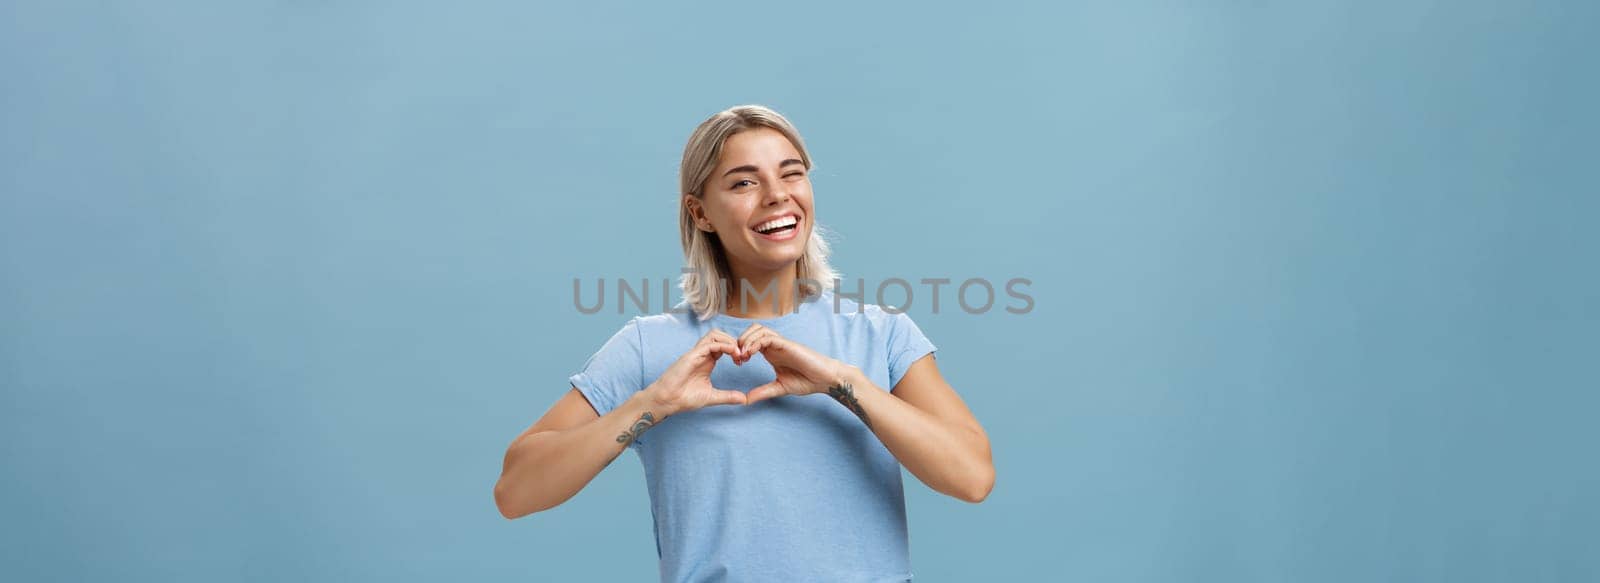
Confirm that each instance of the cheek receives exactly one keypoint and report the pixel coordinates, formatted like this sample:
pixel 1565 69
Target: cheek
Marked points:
pixel 804 199
pixel 727 212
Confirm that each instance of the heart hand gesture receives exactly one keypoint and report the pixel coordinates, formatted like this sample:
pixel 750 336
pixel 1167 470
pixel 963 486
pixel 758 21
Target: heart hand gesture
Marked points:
pixel 800 370
pixel 686 384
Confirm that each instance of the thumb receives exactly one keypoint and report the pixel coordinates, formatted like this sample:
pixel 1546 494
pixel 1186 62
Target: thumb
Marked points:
pixel 764 392
pixel 721 397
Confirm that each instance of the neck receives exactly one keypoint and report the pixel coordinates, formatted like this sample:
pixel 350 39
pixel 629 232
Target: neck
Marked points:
pixel 755 294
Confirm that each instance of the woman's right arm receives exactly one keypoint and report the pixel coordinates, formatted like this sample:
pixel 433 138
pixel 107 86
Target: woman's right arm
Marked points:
pixel 565 449
pixel 571 443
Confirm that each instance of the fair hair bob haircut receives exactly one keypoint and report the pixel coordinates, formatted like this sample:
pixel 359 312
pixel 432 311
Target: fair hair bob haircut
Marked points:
pixel 706 278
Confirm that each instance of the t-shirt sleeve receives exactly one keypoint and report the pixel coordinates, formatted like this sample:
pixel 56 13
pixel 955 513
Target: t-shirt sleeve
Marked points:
pixel 906 345
pixel 613 373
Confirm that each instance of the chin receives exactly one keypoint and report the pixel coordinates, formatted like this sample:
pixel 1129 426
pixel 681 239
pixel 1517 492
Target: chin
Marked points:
pixel 780 253
pixel 776 262
pixel 775 259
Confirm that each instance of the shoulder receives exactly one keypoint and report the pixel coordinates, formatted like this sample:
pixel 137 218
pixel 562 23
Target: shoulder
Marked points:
pixel 641 329
pixel 668 330
pixel 867 317
pixel 665 322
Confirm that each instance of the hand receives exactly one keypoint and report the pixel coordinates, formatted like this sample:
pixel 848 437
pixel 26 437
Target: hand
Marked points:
pixel 686 384
pixel 800 370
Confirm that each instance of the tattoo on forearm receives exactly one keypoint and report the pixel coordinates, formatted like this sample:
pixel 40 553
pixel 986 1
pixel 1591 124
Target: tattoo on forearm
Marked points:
pixel 644 424
pixel 846 395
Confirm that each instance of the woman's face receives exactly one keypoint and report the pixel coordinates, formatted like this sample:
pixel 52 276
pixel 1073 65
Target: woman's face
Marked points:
pixel 758 189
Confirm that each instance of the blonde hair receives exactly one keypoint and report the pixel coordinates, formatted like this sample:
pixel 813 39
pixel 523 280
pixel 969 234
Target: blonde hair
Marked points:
pixel 706 278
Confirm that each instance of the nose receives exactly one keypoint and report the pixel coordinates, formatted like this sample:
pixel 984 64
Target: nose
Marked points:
pixel 778 193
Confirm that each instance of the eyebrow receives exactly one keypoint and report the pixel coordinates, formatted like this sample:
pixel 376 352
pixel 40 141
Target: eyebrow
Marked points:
pixel 750 168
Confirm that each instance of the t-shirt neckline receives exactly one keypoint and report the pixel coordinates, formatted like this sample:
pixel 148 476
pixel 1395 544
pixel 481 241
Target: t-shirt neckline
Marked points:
pixel 801 309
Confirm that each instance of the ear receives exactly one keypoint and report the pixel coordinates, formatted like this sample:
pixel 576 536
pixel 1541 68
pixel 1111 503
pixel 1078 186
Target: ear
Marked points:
pixel 698 213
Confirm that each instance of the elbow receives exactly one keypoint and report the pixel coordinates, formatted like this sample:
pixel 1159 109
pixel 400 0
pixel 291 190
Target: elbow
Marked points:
pixel 512 507
pixel 503 502
pixel 980 487
pixel 982 480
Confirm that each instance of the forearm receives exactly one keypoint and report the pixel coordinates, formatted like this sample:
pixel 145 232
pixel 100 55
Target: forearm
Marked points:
pixel 544 469
pixel 951 458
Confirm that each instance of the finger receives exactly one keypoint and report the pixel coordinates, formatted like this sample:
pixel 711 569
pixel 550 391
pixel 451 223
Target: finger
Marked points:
pixel 764 392
pixel 744 339
pixel 718 334
pixel 740 344
pixel 751 331
pixel 754 347
pixel 764 343
pixel 754 344
pixel 735 354
pixel 722 397
pixel 751 346
pixel 714 349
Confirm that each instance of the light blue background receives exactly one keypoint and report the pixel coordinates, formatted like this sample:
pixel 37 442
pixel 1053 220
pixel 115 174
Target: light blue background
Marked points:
pixel 1316 285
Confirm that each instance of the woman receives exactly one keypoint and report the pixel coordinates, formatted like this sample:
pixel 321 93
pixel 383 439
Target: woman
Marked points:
pixel 786 465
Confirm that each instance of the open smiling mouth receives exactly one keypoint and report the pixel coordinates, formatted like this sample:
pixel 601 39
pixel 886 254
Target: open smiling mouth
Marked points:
pixel 779 228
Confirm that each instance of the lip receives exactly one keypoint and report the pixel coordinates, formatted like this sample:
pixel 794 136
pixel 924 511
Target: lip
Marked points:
pixel 799 221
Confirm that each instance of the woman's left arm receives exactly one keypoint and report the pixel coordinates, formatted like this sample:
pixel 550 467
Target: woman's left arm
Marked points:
pixel 922 422
pixel 925 424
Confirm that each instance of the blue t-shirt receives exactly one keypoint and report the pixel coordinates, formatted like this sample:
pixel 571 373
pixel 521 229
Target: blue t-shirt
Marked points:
pixel 795 488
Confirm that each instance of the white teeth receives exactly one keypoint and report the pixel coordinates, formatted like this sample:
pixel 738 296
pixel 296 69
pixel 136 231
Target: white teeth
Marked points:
pixel 783 221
